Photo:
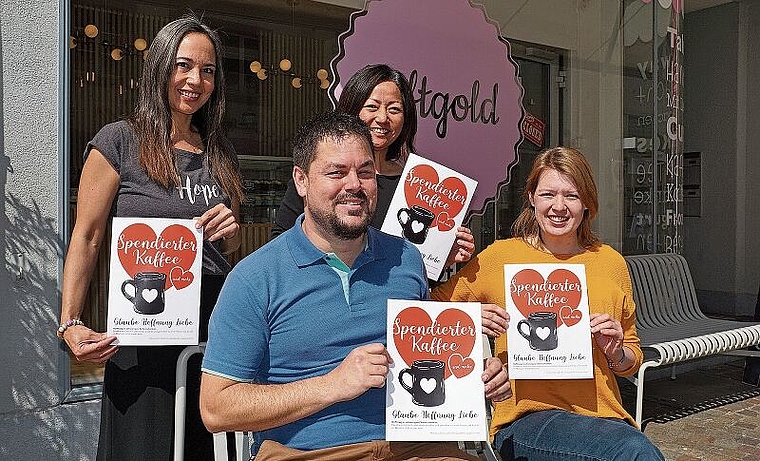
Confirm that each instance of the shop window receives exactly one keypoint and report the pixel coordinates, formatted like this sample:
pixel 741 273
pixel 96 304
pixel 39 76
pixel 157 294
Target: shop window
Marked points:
pixel 106 47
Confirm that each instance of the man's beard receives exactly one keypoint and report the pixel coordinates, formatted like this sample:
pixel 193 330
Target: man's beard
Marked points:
pixel 329 220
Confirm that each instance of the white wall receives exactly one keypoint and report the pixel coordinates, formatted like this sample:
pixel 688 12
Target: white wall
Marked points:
pixel 33 424
pixel 722 120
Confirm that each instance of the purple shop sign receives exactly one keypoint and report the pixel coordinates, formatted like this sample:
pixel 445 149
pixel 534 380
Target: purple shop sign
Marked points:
pixel 468 97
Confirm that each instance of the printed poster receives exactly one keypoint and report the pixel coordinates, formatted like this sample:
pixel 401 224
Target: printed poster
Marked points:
pixel 434 389
pixel 427 208
pixel 155 281
pixel 549 335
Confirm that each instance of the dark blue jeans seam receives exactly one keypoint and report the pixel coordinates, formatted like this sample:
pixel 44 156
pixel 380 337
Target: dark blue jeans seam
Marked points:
pixel 557 452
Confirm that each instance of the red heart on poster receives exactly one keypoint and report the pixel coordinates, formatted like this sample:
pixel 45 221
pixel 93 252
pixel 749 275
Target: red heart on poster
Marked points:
pixel 418 337
pixel 180 278
pixel 532 293
pixel 460 366
pixel 423 188
pixel 570 316
pixel 444 222
pixel 140 250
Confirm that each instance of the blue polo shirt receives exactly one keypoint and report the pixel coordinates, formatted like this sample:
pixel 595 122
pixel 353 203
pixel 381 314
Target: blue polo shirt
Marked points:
pixel 283 315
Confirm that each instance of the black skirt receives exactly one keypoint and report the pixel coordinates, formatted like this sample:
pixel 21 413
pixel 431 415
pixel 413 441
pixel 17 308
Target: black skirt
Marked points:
pixel 137 413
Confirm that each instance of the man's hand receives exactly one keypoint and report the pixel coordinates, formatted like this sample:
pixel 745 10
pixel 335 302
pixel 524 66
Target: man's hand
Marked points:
pixel 364 368
pixel 496 379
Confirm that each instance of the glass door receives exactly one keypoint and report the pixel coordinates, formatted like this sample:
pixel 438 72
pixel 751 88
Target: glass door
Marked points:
pixel 542 80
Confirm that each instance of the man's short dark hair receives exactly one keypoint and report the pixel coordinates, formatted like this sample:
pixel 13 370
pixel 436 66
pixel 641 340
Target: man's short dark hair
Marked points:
pixel 329 125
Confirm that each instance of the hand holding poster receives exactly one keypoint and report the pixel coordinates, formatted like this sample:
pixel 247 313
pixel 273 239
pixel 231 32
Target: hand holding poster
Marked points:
pixel 427 207
pixel 549 335
pixel 154 282
pixel 434 390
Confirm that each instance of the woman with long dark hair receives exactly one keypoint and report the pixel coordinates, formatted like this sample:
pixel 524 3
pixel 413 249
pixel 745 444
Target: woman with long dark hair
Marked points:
pixel 152 165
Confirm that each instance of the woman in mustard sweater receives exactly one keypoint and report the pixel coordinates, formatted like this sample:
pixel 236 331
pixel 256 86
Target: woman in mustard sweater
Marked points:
pixel 569 419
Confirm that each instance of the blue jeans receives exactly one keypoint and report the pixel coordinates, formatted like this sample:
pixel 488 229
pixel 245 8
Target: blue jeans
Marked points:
pixel 560 435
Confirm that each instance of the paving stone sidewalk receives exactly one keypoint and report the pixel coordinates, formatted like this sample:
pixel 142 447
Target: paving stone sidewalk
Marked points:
pixel 704 414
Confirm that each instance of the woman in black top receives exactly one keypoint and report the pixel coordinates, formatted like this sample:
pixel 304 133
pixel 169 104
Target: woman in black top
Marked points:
pixel 382 97
pixel 152 165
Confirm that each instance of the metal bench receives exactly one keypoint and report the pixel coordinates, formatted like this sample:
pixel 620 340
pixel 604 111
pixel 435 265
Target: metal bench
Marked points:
pixel 670 324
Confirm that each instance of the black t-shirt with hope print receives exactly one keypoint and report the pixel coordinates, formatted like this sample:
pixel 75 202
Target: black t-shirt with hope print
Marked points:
pixel 139 196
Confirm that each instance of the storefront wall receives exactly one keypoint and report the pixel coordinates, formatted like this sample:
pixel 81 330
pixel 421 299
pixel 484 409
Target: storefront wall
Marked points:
pixel 36 424
pixel 33 423
pixel 722 120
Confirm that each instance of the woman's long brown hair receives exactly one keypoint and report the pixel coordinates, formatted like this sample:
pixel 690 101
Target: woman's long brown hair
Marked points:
pixel 152 120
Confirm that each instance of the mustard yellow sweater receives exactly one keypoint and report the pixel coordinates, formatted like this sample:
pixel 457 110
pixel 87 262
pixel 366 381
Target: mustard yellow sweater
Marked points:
pixel 609 291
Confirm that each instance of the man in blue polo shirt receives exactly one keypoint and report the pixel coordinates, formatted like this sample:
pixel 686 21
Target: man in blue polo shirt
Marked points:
pixel 296 341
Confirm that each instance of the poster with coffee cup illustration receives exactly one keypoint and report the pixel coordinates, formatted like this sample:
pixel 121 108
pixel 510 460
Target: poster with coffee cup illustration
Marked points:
pixel 434 390
pixel 427 207
pixel 155 281
pixel 549 335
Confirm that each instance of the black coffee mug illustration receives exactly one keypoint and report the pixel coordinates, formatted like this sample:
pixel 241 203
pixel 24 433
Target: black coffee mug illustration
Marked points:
pixel 427 387
pixel 149 292
pixel 542 330
pixel 415 222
